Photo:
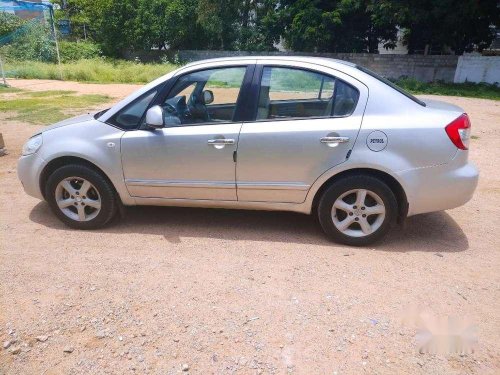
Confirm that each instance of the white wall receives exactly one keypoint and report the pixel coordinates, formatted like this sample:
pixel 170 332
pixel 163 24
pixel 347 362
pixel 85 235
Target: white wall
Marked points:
pixel 478 69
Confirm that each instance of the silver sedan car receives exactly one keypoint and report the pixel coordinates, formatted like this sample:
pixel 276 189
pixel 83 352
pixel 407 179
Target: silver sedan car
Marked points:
pixel 310 135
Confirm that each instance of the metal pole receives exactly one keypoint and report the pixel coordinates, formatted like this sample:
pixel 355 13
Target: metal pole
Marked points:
pixel 3 72
pixel 51 12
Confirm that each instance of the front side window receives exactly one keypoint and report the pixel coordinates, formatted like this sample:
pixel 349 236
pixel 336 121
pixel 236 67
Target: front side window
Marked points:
pixel 130 116
pixel 296 93
pixel 206 96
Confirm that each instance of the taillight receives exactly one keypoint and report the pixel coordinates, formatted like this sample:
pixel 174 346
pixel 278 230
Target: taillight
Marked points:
pixel 459 131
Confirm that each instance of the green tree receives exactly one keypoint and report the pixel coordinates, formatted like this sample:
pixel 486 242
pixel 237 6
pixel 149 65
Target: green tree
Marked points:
pixel 9 23
pixel 260 28
pixel 433 25
pixel 220 23
pixel 336 26
pixel 168 24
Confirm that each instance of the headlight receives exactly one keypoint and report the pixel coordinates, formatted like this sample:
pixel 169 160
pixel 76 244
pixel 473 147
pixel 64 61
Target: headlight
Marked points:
pixel 33 144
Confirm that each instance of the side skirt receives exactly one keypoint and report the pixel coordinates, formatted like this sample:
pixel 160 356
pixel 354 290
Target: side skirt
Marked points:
pixel 205 203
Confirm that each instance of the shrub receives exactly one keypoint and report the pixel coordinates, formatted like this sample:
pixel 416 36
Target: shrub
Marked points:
pixel 33 42
pixel 469 89
pixel 9 23
pixel 74 51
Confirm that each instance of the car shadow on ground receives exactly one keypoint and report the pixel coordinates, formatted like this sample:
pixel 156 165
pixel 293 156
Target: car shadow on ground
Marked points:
pixel 435 232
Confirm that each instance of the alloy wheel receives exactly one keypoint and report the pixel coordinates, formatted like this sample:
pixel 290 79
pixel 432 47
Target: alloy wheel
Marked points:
pixel 358 213
pixel 78 199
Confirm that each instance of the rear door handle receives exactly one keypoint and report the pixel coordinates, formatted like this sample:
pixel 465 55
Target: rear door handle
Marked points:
pixel 334 140
pixel 221 142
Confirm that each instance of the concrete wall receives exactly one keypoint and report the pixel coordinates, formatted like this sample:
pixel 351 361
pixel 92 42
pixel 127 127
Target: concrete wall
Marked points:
pixel 423 68
pixel 478 69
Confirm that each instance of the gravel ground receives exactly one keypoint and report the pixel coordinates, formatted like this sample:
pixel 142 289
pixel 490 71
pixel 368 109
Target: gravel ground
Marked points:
pixel 174 290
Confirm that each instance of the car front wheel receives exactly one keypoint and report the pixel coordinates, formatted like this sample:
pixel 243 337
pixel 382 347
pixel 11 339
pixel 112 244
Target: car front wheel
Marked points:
pixel 357 210
pixel 81 197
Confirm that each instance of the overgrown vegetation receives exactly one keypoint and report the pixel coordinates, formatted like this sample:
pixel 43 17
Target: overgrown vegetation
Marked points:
pixel 473 90
pixel 74 51
pixel 45 107
pixel 92 70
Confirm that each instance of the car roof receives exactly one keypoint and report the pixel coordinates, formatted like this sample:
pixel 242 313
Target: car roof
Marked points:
pixel 310 59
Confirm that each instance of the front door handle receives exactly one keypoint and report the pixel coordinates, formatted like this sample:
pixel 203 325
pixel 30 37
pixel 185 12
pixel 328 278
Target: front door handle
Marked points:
pixel 334 140
pixel 221 142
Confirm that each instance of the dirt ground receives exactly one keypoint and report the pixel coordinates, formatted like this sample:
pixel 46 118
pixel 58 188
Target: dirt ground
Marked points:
pixel 174 290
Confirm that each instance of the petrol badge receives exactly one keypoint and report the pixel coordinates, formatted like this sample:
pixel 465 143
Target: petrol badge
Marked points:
pixel 376 141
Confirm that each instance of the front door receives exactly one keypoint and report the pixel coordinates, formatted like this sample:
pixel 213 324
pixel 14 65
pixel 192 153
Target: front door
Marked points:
pixel 306 123
pixel 192 157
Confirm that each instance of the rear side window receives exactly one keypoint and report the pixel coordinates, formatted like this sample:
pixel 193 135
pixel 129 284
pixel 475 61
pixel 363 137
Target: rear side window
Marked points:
pixel 297 93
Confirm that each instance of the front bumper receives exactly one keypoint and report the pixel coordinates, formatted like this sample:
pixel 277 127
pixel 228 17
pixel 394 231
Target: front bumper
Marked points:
pixel 29 168
pixel 441 187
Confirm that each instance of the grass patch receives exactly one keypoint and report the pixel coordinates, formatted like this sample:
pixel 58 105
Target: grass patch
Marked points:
pixel 7 89
pixel 45 94
pixel 472 90
pixel 93 70
pixel 46 107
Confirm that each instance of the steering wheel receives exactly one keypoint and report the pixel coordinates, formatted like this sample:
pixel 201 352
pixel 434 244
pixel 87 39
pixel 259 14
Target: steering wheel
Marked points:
pixel 177 107
pixel 171 110
pixel 198 108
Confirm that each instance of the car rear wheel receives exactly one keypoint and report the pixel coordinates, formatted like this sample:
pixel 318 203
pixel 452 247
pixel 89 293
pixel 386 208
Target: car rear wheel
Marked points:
pixel 81 197
pixel 357 210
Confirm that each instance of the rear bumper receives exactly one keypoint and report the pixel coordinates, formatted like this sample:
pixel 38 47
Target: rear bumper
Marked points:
pixel 29 168
pixel 441 187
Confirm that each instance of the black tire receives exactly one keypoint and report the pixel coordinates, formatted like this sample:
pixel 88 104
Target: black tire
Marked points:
pixel 337 189
pixel 101 184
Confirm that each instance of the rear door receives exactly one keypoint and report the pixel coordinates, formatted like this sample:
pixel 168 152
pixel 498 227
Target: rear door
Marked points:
pixel 306 121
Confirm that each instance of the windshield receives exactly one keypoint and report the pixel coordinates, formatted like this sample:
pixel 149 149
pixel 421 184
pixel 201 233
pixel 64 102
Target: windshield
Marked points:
pixel 392 85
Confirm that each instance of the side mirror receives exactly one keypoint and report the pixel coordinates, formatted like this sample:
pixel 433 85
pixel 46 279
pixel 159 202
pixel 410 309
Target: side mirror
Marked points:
pixel 208 96
pixel 154 117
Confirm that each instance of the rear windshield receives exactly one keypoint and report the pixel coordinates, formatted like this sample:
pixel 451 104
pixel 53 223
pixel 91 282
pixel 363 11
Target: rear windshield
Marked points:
pixel 392 85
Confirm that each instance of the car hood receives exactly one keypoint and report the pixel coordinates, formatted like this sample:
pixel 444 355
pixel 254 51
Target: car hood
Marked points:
pixel 70 121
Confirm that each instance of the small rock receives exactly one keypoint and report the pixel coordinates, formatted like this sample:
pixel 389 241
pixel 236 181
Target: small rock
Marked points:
pixel 15 350
pixel 7 344
pixel 438 255
pixel 185 367
pixel 68 349
pixel 42 338
pixel 100 334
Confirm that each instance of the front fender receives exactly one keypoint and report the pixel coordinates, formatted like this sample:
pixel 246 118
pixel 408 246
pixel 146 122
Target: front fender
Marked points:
pixel 93 141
